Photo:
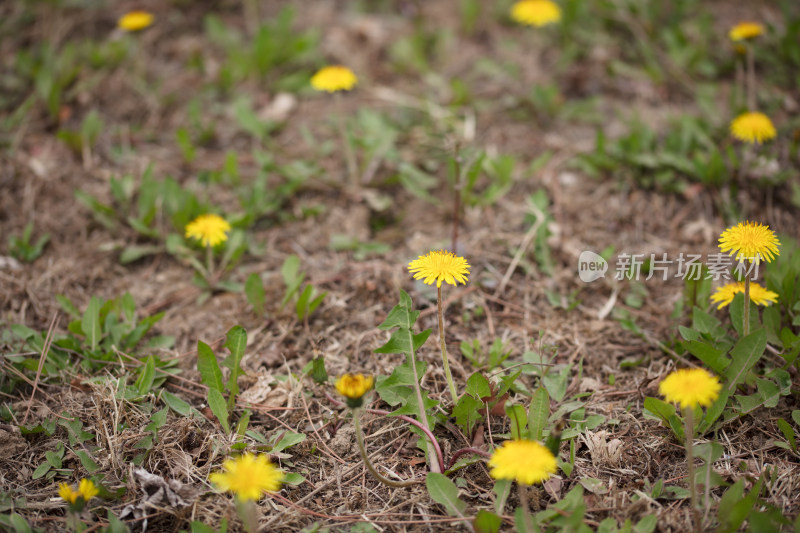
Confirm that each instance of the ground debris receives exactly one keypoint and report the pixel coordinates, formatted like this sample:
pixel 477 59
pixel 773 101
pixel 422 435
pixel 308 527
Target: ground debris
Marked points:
pixel 158 493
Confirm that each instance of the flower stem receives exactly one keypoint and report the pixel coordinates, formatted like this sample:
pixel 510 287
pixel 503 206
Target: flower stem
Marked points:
pixel 688 416
pixel 751 79
pixel 445 362
pixel 209 264
pixel 248 513
pixel 457 188
pixel 525 504
pixel 350 158
pixel 362 448
pixel 432 440
pixel 423 417
pixel 465 451
pixel 746 315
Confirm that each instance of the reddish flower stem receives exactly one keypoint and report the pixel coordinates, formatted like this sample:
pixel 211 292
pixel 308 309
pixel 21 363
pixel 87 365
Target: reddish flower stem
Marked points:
pixel 464 451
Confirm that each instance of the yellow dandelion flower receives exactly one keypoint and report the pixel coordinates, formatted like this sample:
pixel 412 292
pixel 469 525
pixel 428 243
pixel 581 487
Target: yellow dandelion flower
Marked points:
pixel 745 30
pixel 78 498
pixel 527 461
pixel 209 229
pixel 536 12
pixel 753 127
pixel 440 266
pixel 758 294
pixel 690 387
pixel 87 489
pixel 751 241
pixel 248 476
pixel 354 387
pixel 135 20
pixel 67 494
pixel 334 78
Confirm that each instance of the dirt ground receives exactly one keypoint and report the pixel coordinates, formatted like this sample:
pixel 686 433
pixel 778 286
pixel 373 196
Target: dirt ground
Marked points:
pixel 39 174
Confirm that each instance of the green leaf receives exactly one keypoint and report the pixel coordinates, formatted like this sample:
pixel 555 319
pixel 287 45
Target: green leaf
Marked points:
pixel 244 421
pixel 210 373
pixel 236 341
pixel 745 354
pixel 487 522
pixel 87 462
pixel 734 509
pixel 146 376
pixel 647 524
pixel 90 323
pixel 713 358
pixel 502 490
pixel 254 290
pixel 713 412
pixel 293 478
pixel 20 524
pixel 444 492
pixel 54 459
pixel 796 417
pixel 157 420
pixel 556 383
pixel 769 391
pixel 288 440
pixel 176 404
pixel 516 414
pixel 135 252
pixel 219 407
pixel 478 386
pixel 41 470
pixel 659 409
pixel 115 525
pixel 538 413
pixel 467 412
pixel 788 433
pixel 199 527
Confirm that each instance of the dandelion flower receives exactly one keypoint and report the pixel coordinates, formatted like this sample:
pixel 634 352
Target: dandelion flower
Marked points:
pixel 753 127
pixel 758 294
pixel 527 461
pixel 536 12
pixel 135 20
pixel 353 387
pixel 334 78
pixel 209 229
pixel 751 241
pixel 690 387
pixel 440 266
pixel 86 490
pixel 248 476
pixel 67 494
pixel 745 30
